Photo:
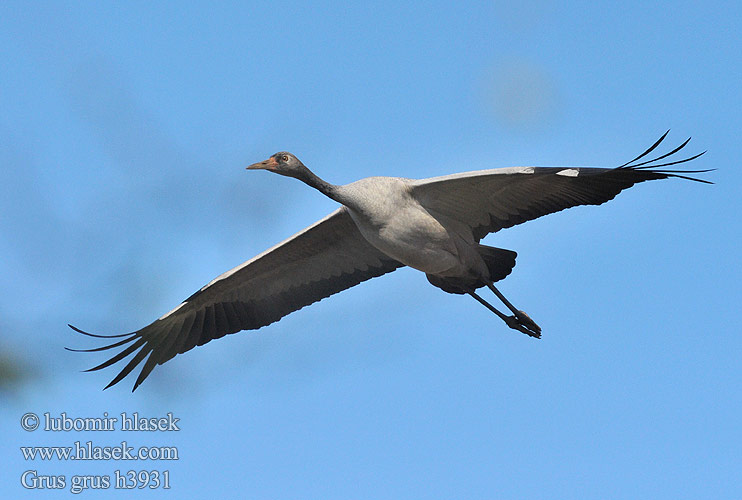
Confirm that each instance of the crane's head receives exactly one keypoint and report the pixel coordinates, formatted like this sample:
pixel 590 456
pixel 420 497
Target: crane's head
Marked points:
pixel 283 163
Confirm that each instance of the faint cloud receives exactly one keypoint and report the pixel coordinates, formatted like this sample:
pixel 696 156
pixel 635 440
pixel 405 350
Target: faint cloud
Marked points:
pixel 524 15
pixel 520 94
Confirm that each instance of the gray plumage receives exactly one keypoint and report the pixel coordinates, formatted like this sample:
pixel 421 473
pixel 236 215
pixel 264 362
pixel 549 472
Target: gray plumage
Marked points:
pixel 384 223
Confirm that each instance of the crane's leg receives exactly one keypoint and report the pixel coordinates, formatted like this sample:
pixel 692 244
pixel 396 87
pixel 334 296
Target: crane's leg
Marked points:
pixel 521 316
pixel 515 322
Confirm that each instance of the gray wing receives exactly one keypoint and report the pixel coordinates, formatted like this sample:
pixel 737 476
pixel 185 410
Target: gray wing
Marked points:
pixel 490 200
pixel 325 258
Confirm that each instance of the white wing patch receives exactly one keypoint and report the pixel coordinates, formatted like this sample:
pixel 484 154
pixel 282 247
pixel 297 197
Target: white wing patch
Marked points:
pixel 569 172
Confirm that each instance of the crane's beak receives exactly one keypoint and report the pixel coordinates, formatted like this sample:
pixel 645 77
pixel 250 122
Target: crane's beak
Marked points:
pixel 269 164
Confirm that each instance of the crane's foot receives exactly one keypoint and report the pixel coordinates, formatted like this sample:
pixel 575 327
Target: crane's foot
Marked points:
pixel 518 321
pixel 524 324
pixel 528 322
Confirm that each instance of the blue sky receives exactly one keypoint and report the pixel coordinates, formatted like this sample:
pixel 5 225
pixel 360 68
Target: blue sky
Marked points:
pixel 125 129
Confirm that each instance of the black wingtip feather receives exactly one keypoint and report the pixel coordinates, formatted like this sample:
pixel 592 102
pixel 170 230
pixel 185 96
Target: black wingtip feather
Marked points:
pixel 100 336
pixel 118 357
pixel 649 150
pixel 154 357
pixel 638 165
pixel 669 163
pixel 139 342
pixel 105 347
pixel 657 168
pixel 129 367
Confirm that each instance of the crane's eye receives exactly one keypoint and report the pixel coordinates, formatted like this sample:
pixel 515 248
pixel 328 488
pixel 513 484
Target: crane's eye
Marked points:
pixel 285 157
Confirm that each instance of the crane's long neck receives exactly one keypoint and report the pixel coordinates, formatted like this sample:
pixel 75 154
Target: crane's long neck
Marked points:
pixel 309 178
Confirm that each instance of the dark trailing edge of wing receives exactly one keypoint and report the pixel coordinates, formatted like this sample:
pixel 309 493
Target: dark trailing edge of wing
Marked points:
pixel 175 334
pixel 591 186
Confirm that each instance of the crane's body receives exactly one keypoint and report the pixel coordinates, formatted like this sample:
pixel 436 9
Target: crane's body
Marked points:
pixel 391 219
pixel 433 225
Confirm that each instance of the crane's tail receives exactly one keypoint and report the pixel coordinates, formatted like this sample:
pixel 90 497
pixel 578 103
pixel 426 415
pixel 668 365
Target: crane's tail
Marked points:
pixel 500 262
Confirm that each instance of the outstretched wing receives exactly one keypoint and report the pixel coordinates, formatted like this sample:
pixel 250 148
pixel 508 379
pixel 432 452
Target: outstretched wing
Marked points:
pixel 325 258
pixel 490 200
